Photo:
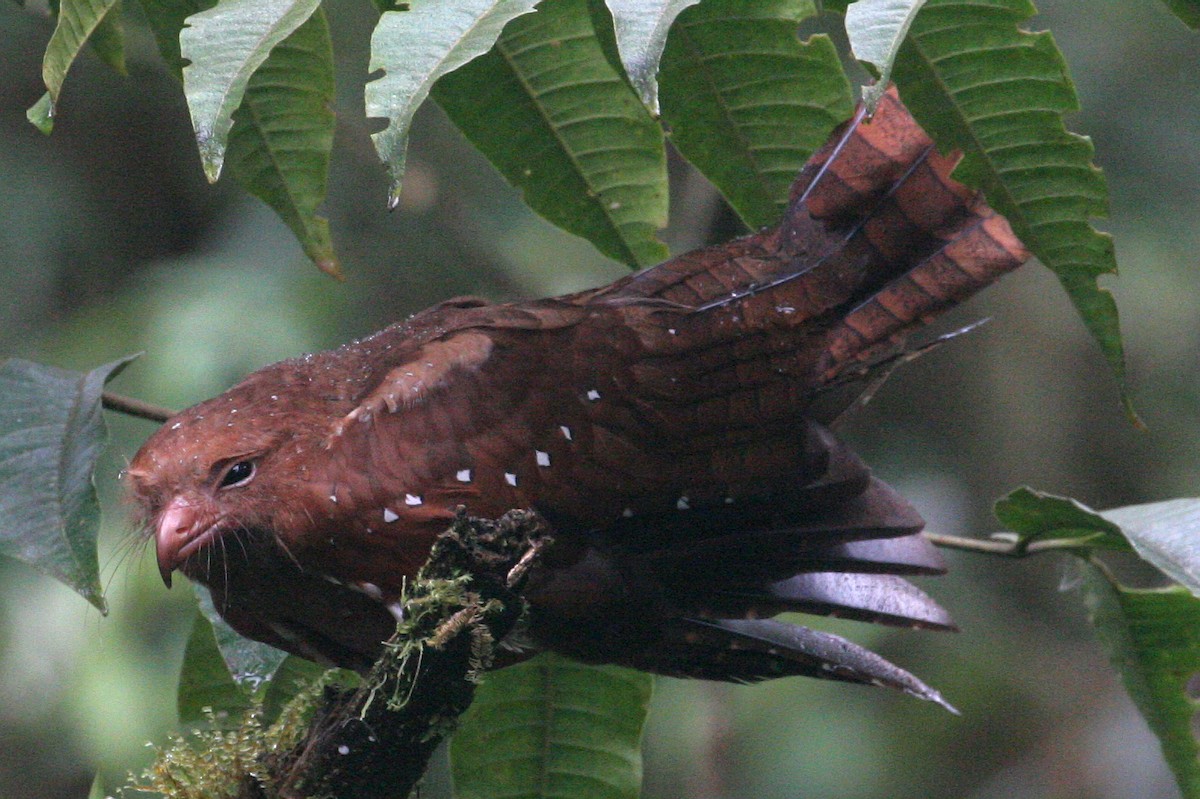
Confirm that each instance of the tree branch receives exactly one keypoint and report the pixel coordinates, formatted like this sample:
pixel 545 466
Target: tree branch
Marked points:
pixel 375 742
pixel 135 407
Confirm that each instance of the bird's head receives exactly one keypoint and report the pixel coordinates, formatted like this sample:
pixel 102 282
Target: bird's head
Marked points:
pixel 213 476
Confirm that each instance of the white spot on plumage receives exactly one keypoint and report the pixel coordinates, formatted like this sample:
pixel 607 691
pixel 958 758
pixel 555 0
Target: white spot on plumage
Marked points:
pixel 333 498
pixel 543 458
pixel 672 330
pixel 566 431
pixel 390 515
pixel 510 478
pixel 343 749
pixel 177 425
pixel 728 500
pixel 593 394
pixel 412 499
pixel 397 611
pixel 683 504
pixel 463 475
pixel 627 513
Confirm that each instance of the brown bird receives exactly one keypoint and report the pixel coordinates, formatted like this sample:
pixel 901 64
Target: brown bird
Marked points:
pixel 669 426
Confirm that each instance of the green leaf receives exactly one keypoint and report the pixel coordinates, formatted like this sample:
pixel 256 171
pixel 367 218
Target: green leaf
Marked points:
pixel 77 20
pixel 293 675
pixel 980 84
pixel 41 114
pixel 1166 534
pixel 1153 640
pixel 225 45
pixel 206 685
pixel 415 48
pixel 97 789
pixel 282 135
pixel 561 123
pixel 641 29
pixel 747 102
pixel 249 663
pixel 51 433
pixel 108 39
pixel 1035 516
pixel 166 18
pixel 876 29
pixel 1186 10
pixel 224 674
pixel 552 727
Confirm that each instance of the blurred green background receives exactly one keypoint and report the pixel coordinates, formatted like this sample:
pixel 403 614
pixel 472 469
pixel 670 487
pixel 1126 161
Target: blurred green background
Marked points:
pixel 111 243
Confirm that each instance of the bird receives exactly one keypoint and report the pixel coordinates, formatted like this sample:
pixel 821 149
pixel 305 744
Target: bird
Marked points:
pixel 673 428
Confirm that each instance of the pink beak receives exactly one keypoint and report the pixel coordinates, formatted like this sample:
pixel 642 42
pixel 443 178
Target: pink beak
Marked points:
pixel 179 534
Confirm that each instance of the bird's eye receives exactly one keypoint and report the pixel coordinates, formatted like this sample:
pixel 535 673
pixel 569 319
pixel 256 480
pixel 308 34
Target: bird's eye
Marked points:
pixel 238 474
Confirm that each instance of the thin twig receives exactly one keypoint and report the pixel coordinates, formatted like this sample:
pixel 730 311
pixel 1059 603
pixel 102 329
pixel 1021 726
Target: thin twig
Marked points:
pixel 1008 549
pixel 135 407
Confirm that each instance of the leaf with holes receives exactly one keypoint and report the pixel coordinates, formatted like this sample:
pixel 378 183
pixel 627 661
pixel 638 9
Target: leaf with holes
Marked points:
pixel 980 84
pixel 560 122
pixel 1153 640
pixel 416 47
pixel 747 102
pixel 876 29
pixel 553 727
pixel 641 29
pixel 51 433
pixel 225 45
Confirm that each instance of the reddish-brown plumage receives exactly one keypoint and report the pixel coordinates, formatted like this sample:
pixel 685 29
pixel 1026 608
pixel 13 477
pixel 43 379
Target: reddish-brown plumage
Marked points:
pixel 667 425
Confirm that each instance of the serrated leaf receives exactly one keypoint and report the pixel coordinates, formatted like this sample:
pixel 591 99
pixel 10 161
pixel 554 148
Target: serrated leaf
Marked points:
pixel 77 20
pixel 225 45
pixel 416 47
pixel 1167 534
pixel 205 683
pixel 552 727
pixel 51 433
pixel 641 29
pixel 980 84
pixel 876 29
pixel 41 114
pixel 1186 10
pixel 1034 516
pixel 282 135
pixel 166 18
pixel 747 102
pixel 561 123
pixel 1153 640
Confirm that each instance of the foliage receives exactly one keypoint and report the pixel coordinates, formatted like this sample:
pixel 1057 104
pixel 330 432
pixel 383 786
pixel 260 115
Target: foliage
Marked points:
pixel 565 101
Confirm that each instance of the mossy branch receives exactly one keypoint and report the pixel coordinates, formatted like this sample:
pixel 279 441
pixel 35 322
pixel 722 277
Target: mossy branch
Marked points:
pixel 374 741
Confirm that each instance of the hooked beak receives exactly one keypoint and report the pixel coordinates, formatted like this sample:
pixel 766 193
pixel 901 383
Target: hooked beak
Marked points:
pixel 182 530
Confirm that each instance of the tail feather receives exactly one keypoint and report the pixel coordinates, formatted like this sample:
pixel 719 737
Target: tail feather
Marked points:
pixel 878 239
pixel 753 650
pixel 876 598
